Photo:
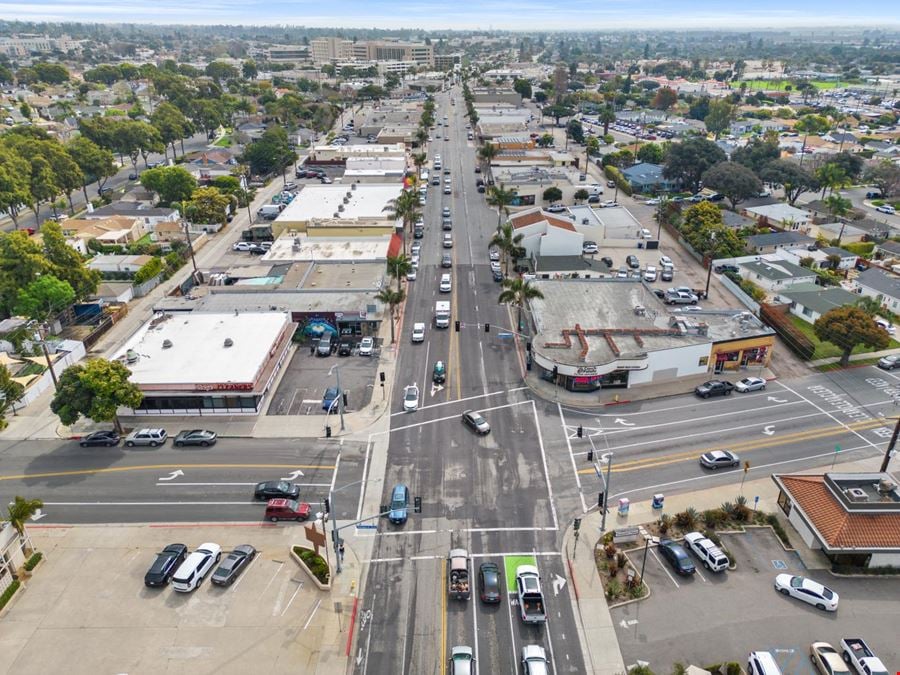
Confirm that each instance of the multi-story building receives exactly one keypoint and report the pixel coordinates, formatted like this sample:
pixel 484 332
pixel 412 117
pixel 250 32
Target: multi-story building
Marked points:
pixel 23 45
pixel 330 49
pixel 447 61
pixel 287 53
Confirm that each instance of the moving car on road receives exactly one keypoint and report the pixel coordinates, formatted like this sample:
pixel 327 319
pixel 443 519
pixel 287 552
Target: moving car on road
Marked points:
pixel 714 388
pixel 234 563
pixel 462 660
pixel 718 459
pixel 196 566
pixel 201 437
pixel 750 384
pixel 439 373
pixel 489 583
pixel 808 591
pixel 151 437
pixel 411 398
pixel 107 438
pixel 534 660
pixel 418 332
pixel 165 564
pixel 399 509
pixel 677 557
pixel 329 398
pixel 476 422
pixel 286 509
pixel 276 489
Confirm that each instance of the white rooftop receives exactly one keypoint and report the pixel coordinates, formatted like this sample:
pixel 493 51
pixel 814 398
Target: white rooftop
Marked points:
pixel 319 249
pixel 364 200
pixel 198 354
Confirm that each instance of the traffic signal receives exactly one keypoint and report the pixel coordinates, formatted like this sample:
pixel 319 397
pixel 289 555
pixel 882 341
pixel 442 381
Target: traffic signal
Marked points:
pixel 327 505
pixel 327 431
pixel 528 346
pixel 456 325
pixel 580 431
pixel 345 399
pixel 555 372
pixel 487 328
pixel 590 455
pixel 576 524
pixel 600 500
pixel 381 376
pixel 417 505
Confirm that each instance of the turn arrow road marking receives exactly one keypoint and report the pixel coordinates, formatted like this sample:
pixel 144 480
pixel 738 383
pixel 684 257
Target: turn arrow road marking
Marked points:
pixel 559 583
pixel 769 429
pixel 173 475
pixel 775 399
pixel 294 475
pixel 619 420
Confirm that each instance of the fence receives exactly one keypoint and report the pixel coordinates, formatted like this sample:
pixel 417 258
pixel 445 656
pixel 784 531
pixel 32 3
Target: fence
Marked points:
pixel 740 294
pixel 797 342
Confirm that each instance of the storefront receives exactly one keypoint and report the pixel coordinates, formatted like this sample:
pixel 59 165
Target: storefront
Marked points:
pixel 585 378
pixel 737 355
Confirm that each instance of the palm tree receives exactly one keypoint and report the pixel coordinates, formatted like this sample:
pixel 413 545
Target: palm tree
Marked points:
pixel 419 160
pixel 507 240
pixel 391 298
pixel 20 511
pixel 869 305
pixel 398 267
pixel 487 153
pixel 517 292
pixel 830 175
pixel 421 135
pixel 405 208
pixel 606 117
pixel 501 199
pixel 591 146
pixel 839 207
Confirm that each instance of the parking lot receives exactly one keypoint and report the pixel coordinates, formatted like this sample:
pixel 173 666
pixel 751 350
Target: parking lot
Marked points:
pixel 710 618
pixel 307 376
pixel 86 609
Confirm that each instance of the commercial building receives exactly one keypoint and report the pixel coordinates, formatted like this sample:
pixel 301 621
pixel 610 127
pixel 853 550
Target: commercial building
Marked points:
pixel 332 49
pixel 447 61
pixel 354 210
pixel 207 363
pixel 338 154
pixel 609 333
pixel 25 45
pixel 853 518
pixel 546 235
pixel 530 182
pixel 329 49
pixel 287 53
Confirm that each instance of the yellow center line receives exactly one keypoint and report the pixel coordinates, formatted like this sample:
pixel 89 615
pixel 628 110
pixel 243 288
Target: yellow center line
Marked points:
pixel 744 446
pixel 164 467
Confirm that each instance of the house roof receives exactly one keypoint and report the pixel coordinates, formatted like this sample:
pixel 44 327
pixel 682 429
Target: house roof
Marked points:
pixel 643 172
pixel 874 278
pixel 736 220
pixel 131 208
pixel 838 527
pixel 818 298
pixel 532 217
pixel 780 212
pixel 777 271
pixel 778 239
pixel 837 250
pixel 892 247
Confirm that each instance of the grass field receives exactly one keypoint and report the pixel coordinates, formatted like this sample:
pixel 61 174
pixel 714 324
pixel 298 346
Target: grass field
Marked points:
pixel 224 142
pixel 825 350
pixel 780 85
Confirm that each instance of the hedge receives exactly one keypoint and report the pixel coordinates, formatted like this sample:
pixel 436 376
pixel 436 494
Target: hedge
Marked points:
pixel 9 592
pixel 314 562
pixel 32 562
pixel 148 271
pixel 613 174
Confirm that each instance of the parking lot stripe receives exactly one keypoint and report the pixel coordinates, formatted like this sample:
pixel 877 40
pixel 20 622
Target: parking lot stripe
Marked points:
pixel 241 578
pixel 663 567
pixel 288 605
pixel 312 614
pixel 280 565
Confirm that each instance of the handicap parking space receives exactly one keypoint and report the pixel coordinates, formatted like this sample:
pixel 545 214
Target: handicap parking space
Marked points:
pixel 308 376
pixel 744 613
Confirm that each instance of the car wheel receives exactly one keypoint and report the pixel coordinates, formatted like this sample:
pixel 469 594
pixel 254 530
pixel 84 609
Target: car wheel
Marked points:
pixel 110 444
pixel 693 302
pixel 153 444
pixel 274 519
pixel 784 591
pixel 706 395
pixel 83 445
pixel 762 388
pixel 714 467
pixel 204 444
pixel 728 392
pixel 178 444
pixel 820 606
pixel 706 564
pixel 130 444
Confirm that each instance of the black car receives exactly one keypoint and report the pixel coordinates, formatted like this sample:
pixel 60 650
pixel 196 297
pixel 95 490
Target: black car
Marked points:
pixel 721 269
pixel 105 438
pixel 714 388
pixel 234 563
pixel 659 293
pixel 345 348
pixel 633 262
pixel 489 583
pixel 132 176
pixel 677 557
pixel 201 437
pixel 167 561
pixel 446 261
pixel 276 489
pixel 256 249
pixel 606 260
pixel 497 275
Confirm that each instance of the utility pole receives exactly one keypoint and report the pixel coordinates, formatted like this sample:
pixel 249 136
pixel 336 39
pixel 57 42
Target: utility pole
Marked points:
pixel 337 372
pixel 890 448
pixel 606 492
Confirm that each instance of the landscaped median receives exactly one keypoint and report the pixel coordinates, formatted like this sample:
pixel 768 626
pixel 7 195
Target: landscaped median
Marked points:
pixel 314 565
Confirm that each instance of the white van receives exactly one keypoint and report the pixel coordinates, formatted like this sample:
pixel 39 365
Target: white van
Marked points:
pixel 762 663
pixel 197 565
pixel 712 557
pixel 418 332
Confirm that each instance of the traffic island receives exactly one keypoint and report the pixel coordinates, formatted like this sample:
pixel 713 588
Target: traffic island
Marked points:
pixel 314 565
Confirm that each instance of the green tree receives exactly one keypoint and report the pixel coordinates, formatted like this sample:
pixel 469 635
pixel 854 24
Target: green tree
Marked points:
pixel 757 153
pixel 25 110
pixel 96 163
pixel 703 228
pixel 501 199
pixel 249 70
pixel 487 153
pixel 651 153
pixel 44 297
pixel 518 292
pixel 171 124
pixel 581 194
pixel 21 261
pixel 508 241
pixel 688 161
pixel 406 209
pixel 545 140
pixel 171 183
pixel 851 163
pixel 10 392
pixel 20 512
pixel 95 389
pixel 795 179
pixel 552 194
pixel 606 117
pixel 848 327
pixel 219 71
pixel 208 115
pixel 575 131
pixel 392 299
pixel 719 117
pixel 830 176
pixel 66 263
pixel 733 180
pixel 15 186
pixel 398 267
pixel 811 124
pixel 664 98
pixel 51 73
pixel 523 87
pixel 885 175
pixel 207 205
pixel 271 153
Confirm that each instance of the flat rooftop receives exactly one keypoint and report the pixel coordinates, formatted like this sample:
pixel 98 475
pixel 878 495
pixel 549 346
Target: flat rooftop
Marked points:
pixel 341 201
pixel 316 249
pixel 197 353
pixel 348 302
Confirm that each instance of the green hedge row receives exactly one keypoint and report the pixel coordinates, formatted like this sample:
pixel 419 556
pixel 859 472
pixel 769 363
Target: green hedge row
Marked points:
pixel 32 562
pixel 314 562
pixel 9 592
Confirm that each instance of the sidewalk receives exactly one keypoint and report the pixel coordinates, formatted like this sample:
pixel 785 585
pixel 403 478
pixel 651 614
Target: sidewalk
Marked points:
pixel 595 627
pixel 854 357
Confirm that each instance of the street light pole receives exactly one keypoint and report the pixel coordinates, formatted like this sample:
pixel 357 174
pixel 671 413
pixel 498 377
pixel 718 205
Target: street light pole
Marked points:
pixel 890 448
pixel 42 334
pixel 609 457
pixel 337 372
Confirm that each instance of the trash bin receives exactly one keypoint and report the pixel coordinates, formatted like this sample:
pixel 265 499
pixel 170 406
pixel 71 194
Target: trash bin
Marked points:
pixel 658 500
pixel 624 505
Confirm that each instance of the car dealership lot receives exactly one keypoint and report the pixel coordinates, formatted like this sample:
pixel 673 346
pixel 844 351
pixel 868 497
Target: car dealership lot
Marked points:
pixel 725 616
pixel 88 599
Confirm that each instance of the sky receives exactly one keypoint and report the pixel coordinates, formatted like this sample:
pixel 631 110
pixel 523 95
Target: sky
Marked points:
pixel 525 15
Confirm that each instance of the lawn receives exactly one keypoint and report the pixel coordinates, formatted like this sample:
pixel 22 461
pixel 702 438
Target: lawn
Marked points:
pixel 825 350
pixel 224 142
pixel 781 85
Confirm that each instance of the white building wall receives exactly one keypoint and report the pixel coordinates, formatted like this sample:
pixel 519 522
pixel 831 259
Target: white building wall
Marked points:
pixel 885 560
pixel 805 533
pixel 669 364
pixel 892 304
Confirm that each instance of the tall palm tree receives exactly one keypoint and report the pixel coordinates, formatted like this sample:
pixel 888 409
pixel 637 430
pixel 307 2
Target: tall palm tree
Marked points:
pixel 839 207
pixel 831 176
pixel 419 160
pixel 517 292
pixel 20 511
pixel 398 267
pixel 391 298
pixel 421 135
pixel 487 153
pixel 405 208
pixel 507 241
pixel 606 117
pixel 591 146
pixel 501 199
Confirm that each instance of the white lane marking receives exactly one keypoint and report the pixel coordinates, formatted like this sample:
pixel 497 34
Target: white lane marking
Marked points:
pixel 515 554
pixel 508 529
pixel 653 411
pixel 227 484
pixel 671 578
pixel 540 437
pixel 337 464
pixel 425 372
pixel 562 420
pixel 312 614
pixel 280 566
pixel 699 574
pixel 365 473
pixel 453 417
pixel 456 400
pixel 293 475
pixel 244 503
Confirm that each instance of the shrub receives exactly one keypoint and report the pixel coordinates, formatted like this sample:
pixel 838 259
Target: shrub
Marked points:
pixel 613 588
pixel 641 670
pixel 32 562
pixel 733 668
pixel 664 523
pixel 713 518
pixel 9 592
pixel 713 537
pixel 687 518
pixel 621 560
pixel 741 512
pixel 148 271
pixel 610 550
pixel 315 563
pixel 613 568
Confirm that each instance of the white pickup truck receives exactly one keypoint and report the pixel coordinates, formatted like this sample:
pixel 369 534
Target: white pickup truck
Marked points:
pixel 863 660
pixel 531 600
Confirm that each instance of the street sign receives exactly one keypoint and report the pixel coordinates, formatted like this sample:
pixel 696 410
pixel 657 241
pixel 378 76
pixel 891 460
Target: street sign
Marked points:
pixel 504 335
pixel 625 534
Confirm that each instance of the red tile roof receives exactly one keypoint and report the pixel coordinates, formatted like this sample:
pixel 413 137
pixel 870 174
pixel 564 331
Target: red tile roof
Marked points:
pixel 838 527
pixel 537 216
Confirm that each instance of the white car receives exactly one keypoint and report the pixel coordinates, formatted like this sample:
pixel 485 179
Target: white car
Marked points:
pixel 652 202
pixel 411 275
pixel 411 398
pixel 240 246
pixel 151 437
pixel 534 660
pixel 366 346
pixel 590 247
pixel 808 591
pixel 665 261
pixel 645 233
pixel 494 254
pixel 555 208
pixel 885 325
pixel 418 332
pixel 414 261
pixel 750 384
pixel 196 566
pixel 885 208
pixel 446 284
pixel 650 273
pixel 692 308
pixel 608 204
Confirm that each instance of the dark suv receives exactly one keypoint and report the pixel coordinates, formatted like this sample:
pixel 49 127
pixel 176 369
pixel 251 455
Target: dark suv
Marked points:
pixel 167 561
pixel 345 348
pixel 714 388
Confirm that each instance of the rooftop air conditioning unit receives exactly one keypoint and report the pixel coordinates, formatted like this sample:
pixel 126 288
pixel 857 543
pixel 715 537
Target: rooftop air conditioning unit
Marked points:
pixel 856 495
pixel 885 486
pixel 167 344
pixel 585 221
pixel 353 186
pixel 336 214
pixel 340 207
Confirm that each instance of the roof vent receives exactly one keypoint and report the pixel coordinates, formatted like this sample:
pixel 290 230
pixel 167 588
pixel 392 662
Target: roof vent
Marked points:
pixel 353 186
pixel 340 207
pixel 167 344
pixel 885 486
pixel 229 342
pixel 585 221
pixel 131 356
pixel 856 495
pixel 336 215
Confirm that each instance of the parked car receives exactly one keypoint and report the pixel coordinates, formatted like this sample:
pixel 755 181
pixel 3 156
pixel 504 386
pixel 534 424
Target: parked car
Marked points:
pixel 151 437
pixel 556 208
pixel 201 437
pixel 889 362
pixel 165 564
pixel 712 557
pixel 107 438
pixel 326 344
pixel 677 557
pixel 366 346
pixel 808 591
pixel 275 489
pixel 722 269
pixel 750 384
pixel 590 247
pixel 411 398
pixel 235 563
pixel 496 274
pixel 494 254
pixel 827 660
pixel 329 397
pixel 286 509
pixel 717 459
pixel 885 208
pixel 346 346
pixel 713 388
pixel 489 583
pixel 606 260
pixel 762 663
pixel 632 261
pixel 476 422
pixel 680 298
pixel 665 261
pixel 240 246
pixel 193 570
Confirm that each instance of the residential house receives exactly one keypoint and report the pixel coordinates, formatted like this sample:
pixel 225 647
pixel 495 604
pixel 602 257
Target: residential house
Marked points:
pixel 887 250
pixel 124 264
pixel 114 292
pixel 546 235
pixel 848 233
pixel 774 276
pixel 112 230
pixel 881 285
pixel 736 221
pixel 209 164
pixel 149 215
pixel 648 178
pixel 773 241
pixel 809 301
pixel 839 137
pixel 781 215
pixel 876 229
pixel 819 210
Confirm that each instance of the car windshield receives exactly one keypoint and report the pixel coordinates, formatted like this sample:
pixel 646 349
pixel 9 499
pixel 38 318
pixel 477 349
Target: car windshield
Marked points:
pixel 827 594
pixel 283 487
pixel 398 503
pixel 796 582
pixel 411 395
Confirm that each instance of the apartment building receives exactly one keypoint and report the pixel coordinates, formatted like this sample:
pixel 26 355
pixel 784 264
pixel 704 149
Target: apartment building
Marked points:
pixel 287 53
pixel 23 45
pixel 330 49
